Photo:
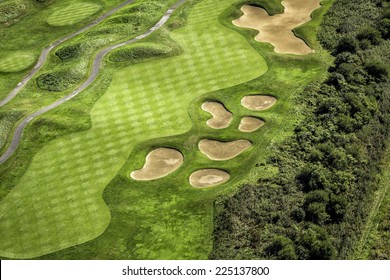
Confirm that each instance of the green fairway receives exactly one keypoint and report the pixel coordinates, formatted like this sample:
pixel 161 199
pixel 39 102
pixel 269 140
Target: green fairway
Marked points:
pixel 72 13
pixel 15 61
pixel 58 202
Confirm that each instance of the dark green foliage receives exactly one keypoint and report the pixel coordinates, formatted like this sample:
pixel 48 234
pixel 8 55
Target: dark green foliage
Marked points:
pixel 316 206
pixel 314 243
pixel 282 248
pixel 140 52
pixel 377 70
pixel 69 52
pixel 346 44
pixel 58 81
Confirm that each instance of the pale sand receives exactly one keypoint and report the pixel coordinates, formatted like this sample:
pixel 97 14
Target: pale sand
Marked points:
pixel 216 150
pixel 258 102
pixel 250 124
pixel 208 177
pixel 159 163
pixel 277 29
pixel 221 116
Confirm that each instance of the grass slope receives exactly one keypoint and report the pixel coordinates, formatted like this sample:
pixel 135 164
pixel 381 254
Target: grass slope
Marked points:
pixel 72 13
pixel 15 61
pixel 58 203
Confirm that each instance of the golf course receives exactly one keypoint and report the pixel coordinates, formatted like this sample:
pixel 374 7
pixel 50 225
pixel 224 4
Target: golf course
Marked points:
pixel 122 129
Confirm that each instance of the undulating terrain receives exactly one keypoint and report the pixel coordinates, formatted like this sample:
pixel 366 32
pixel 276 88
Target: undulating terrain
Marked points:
pixel 194 129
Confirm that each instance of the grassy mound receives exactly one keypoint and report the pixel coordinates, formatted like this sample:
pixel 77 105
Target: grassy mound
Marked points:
pixel 10 10
pixel 69 52
pixel 73 13
pixel 140 52
pixel 15 61
pixel 58 81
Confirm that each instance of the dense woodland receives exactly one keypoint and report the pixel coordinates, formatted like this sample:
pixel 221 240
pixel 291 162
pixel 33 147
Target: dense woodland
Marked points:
pixel 328 171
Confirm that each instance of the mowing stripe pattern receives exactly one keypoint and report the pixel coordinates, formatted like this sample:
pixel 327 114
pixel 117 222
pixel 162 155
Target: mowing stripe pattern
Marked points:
pixel 14 62
pixel 73 13
pixel 58 202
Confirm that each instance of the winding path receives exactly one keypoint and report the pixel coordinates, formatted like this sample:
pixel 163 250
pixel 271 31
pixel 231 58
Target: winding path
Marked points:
pixel 95 71
pixel 42 59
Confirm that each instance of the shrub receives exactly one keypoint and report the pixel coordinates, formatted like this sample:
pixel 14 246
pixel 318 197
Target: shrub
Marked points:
pixel 69 52
pixel 58 81
pixel 282 248
pixel 346 44
pixel 137 53
pixel 377 70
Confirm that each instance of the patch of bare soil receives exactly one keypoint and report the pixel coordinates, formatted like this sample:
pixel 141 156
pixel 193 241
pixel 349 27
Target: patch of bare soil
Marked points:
pixel 208 177
pixel 159 163
pixel 277 29
pixel 216 150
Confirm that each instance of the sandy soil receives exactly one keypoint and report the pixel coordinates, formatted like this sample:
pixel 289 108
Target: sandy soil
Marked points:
pixel 216 150
pixel 277 29
pixel 159 163
pixel 258 102
pixel 221 116
pixel 208 177
pixel 250 124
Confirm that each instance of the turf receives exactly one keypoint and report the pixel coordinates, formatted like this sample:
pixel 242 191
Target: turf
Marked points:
pixel 15 61
pixel 58 202
pixel 72 13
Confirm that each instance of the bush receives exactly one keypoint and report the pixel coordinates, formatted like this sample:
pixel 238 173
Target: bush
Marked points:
pixel 282 248
pixel 377 70
pixel 69 52
pixel 58 81
pixel 371 34
pixel 346 44
pixel 140 52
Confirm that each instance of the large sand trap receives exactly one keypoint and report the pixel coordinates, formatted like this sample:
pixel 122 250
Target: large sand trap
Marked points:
pixel 258 102
pixel 159 163
pixel 208 178
pixel 277 29
pixel 216 150
pixel 250 124
pixel 221 116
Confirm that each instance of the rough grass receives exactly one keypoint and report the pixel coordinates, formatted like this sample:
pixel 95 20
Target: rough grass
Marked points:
pixel 57 203
pixel 15 61
pixel 73 13
pixel 18 35
pixel 11 10
pixel 140 52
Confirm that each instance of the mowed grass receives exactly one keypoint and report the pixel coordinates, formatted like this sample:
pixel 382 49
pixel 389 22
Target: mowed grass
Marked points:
pixel 15 61
pixel 58 202
pixel 73 13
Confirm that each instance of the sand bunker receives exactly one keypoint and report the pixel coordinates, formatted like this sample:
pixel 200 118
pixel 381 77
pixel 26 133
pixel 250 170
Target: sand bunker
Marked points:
pixel 250 124
pixel 208 178
pixel 277 29
pixel 159 163
pixel 221 116
pixel 216 150
pixel 258 102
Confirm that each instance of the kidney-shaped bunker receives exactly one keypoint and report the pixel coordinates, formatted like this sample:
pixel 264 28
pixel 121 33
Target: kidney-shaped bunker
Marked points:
pixel 159 163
